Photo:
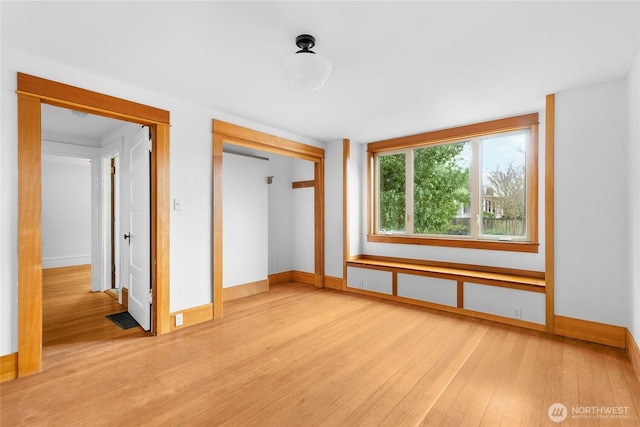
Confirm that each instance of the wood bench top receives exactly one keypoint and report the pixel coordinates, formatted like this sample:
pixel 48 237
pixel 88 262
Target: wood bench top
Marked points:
pixel 514 281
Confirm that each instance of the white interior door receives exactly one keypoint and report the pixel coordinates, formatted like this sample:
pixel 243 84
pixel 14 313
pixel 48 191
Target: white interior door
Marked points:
pixel 139 234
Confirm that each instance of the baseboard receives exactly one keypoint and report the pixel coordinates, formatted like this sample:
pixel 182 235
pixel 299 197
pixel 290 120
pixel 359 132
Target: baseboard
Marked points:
pixel 245 290
pixel 191 316
pixel 633 352
pixel 8 367
pixel 303 277
pixel 333 283
pixel 71 261
pixel 125 297
pixel 451 309
pixel 601 333
pixel 284 277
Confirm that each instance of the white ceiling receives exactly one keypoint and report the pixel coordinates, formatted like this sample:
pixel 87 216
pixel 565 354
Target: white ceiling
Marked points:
pixel 60 122
pixel 399 68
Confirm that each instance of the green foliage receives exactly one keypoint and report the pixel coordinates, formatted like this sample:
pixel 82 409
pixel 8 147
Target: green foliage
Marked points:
pixel 494 232
pixel 392 192
pixel 458 230
pixel 441 187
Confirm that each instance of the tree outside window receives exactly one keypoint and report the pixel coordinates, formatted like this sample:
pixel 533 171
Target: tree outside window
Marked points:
pixel 472 188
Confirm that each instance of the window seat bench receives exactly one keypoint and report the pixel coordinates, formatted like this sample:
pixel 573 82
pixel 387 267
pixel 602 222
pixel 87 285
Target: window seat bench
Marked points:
pixel 511 296
pixel 506 278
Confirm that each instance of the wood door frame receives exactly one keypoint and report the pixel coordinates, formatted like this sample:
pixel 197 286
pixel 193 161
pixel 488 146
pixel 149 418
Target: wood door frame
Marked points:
pixel 32 92
pixel 245 137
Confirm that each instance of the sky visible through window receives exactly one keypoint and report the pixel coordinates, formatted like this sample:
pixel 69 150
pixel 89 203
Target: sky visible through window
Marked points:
pixel 503 150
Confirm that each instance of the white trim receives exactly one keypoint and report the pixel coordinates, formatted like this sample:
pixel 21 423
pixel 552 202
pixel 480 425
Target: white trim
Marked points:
pixel 67 261
pixel 97 244
pixel 69 150
pixel 110 151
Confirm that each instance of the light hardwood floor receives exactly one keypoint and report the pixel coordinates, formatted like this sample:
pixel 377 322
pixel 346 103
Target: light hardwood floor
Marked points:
pixel 302 356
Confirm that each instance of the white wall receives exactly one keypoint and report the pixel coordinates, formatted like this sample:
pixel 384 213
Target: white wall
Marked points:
pixel 85 148
pixel 245 220
pixel 303 218
pixel 591 203
pixel 357 198
pixel 634 199
pixel 190 181
pixel 333 210
pixel 290 213
pixel 280 214
pixel 66 211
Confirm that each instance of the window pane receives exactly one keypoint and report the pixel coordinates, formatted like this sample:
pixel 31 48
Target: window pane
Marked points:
pixel 392 192
pixel 503 185
pixel 441 189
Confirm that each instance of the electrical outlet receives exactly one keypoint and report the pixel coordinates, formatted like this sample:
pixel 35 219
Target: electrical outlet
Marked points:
pixel 177 204
pixel 517 312
pixel 179 319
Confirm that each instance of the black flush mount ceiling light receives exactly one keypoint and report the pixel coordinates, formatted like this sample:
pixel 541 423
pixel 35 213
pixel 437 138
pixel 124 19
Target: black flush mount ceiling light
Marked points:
pixel 305 69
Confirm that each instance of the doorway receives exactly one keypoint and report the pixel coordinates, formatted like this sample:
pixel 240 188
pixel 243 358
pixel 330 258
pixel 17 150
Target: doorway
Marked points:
pixel 227 133
pixel 32 93
pixel 82 211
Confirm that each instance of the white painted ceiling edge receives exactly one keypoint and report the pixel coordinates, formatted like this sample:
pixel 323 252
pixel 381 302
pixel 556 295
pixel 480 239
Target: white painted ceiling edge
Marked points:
pixel 399 68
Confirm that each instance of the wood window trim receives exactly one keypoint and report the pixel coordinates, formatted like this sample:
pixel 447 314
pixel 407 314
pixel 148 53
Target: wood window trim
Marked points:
pixel 455 243
pixel 31 93
pixel 346 212
pixel 530 121
pixel 228 133
pixel 549 209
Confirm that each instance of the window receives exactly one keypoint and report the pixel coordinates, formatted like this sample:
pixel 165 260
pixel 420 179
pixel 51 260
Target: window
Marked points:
pixel 474 186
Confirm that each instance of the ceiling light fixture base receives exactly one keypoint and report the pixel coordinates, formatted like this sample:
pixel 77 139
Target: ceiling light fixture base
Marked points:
pixel 306 70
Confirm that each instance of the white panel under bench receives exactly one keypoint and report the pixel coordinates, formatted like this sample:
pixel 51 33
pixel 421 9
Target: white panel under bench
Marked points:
pixel 430 289
pixel 504 302
pixel 370 280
